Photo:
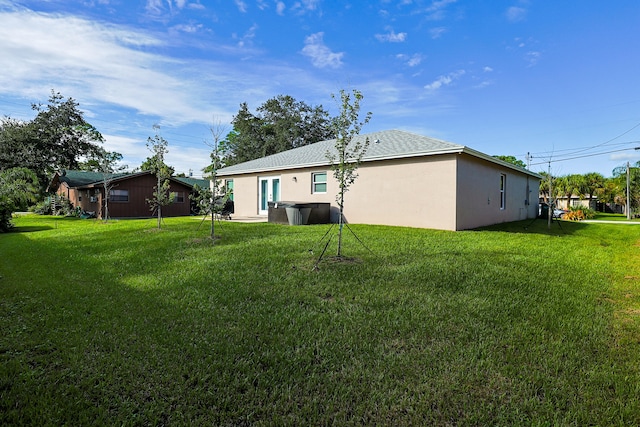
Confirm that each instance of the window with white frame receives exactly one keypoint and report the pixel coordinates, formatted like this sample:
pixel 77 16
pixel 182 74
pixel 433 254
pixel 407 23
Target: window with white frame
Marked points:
pixel 503 191
pixel 319 182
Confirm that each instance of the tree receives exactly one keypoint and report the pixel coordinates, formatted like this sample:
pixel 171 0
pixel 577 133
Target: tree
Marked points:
pixel 612 191
pixel 281 123
pixel 569 185
pixel 544 186
pixel 161 195
pixel 217 129
pixel 620 174
pixel 18 186
pixel 108 166
pixel 150 163
pixel 349 150
pixel 593 182
pixel 57 138
pixel 512 160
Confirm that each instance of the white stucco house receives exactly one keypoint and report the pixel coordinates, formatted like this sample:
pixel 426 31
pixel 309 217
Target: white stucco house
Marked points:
pixel 405 179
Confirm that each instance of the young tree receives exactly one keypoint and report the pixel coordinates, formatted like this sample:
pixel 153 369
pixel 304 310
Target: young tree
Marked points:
pixel 109 166
pixel 349 150
pixel 161 195
pixel 217 129
pixel 18 186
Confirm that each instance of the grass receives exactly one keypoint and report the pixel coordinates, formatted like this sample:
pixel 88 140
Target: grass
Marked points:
pixel 121 324
pixel 613 217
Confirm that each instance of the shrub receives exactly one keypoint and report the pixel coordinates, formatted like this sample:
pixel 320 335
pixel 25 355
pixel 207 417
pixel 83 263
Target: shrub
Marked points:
pixel 63 206
pixel 579 213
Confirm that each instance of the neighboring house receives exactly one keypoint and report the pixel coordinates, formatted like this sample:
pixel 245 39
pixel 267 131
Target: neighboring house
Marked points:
pixel 576 201
pixel 128 195
pixel 595 204
pixel 405 179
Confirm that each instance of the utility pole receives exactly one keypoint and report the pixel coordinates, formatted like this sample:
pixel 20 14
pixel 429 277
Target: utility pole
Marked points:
pixel 628 199
pixel 550 211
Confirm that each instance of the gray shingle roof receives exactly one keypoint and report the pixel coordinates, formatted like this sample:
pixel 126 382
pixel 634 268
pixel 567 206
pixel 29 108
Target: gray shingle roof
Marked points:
pixel 389 144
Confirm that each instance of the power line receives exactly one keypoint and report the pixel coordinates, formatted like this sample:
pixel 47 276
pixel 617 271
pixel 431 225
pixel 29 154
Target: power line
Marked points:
pixel 583 156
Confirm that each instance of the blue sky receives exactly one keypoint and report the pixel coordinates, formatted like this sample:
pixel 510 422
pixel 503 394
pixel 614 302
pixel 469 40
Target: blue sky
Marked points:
pixel 556 79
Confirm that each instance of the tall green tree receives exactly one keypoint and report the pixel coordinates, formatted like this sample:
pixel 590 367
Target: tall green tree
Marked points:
pixel 18 186
pixel 592 184
pixel 612 191
pixel 620 174
pixel 281 123
pixel 161 194
pixel 569 185
pixel 349 150
pixel 513 160
pixel 57 138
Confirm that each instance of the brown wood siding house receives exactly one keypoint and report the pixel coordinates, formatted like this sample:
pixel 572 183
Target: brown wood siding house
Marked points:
pixel 128 195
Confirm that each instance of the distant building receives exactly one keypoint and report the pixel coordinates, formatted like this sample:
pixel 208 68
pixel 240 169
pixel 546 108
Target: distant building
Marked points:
pixel 128 195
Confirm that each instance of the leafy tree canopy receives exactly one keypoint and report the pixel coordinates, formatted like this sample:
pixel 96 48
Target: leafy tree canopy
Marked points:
pixel 57 138
pixel 18 186
pixel 512 160
pixel 280 124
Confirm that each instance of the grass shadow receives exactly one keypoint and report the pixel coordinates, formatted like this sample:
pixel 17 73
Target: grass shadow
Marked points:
pixel 537 226
pixel 30 228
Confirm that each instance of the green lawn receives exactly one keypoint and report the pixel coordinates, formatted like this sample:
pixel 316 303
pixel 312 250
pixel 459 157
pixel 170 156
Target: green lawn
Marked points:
pixel 613 217
pixel 122 324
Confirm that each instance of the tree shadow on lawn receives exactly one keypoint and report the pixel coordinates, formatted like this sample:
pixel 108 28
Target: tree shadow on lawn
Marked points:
pixel 537 226
pixel 30 228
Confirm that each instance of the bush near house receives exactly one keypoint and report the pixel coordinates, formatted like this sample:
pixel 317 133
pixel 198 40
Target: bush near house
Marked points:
pixel 579 213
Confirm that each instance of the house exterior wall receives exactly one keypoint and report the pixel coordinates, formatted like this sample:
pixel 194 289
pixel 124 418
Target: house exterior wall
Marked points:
pixel 447 192
pixel 479 194
pixel 140 189
pixel 413 192
pixel 71 194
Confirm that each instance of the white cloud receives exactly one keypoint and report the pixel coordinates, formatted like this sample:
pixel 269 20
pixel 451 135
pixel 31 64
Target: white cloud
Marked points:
pixel 487 69
pixel 444 80
pixel 248 37
pixel 305 6
pixel 515 14
pixel 436 11
pixel 187 28
pixel 280 7
pixel 242 6
pixel 415 59
pixel 392 37
pixel 532 57
pixel 412 60
pixel 157 6
pixel 321 56
pixel 107 63
pixel 436 33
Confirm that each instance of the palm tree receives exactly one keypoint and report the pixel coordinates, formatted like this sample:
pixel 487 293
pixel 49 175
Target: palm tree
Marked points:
pixel 593 183
pixel 569 185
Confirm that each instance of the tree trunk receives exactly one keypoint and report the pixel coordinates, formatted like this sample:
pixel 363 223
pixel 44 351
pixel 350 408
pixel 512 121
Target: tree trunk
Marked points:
pixel 340 223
